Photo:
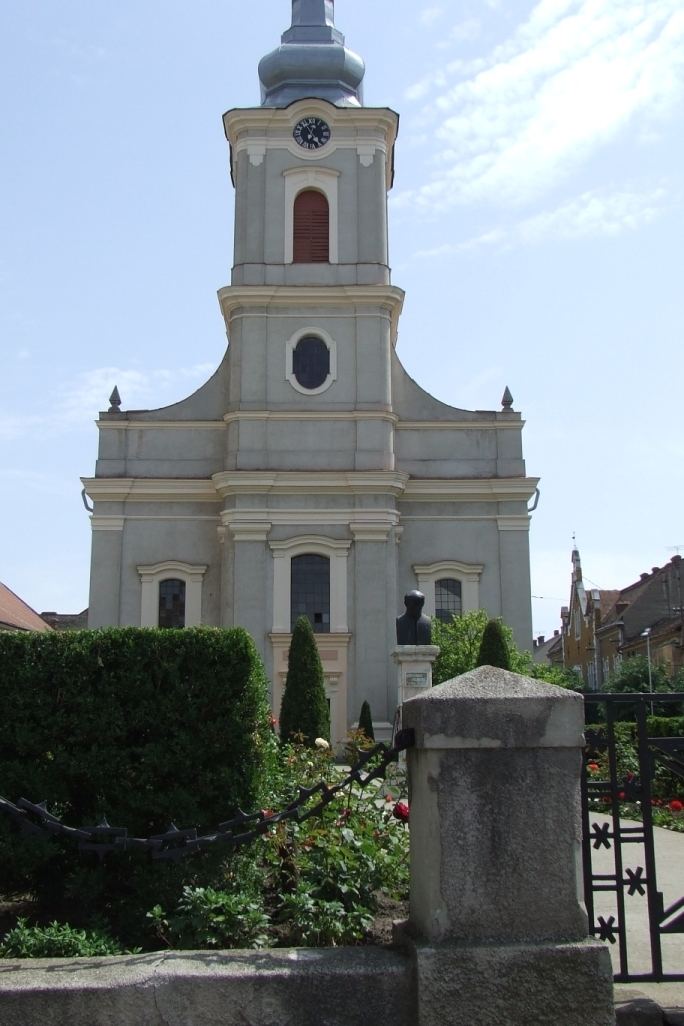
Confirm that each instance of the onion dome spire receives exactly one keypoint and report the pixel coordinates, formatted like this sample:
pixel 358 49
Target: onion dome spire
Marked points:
pixel 312 61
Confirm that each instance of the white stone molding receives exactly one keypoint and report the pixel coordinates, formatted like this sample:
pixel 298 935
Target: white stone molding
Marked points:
pixel 248 530
pixel 488 423
pixel 468 574
pixel 372 520
pixel 494 489
pixel 366 152
pixel 283 554
pixel 151 577
pixel 295 482
pixel 324 179
pixel 370 531
pixel 290 347
pixel 256 153
pixel 247 416
pixel 142 425
pixel 514 523
pixel 277 300
pixel 162 489
pixel 351 128
pixel 104 523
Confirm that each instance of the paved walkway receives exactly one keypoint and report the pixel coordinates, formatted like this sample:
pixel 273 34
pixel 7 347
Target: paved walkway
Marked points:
pixel 669 848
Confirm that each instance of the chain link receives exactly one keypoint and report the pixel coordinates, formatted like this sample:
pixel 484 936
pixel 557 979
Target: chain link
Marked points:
pixel 174 845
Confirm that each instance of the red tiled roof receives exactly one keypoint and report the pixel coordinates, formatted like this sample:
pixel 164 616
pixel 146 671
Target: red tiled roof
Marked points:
pixel 16 615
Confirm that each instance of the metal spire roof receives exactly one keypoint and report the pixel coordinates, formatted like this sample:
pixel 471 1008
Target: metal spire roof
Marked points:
pixel 312 60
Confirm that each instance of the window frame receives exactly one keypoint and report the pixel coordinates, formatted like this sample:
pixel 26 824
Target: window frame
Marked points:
pixel 291 345
pixel 151 576
pixel 321 179
pixel 468 574
pixel 324 626
pixel 316 545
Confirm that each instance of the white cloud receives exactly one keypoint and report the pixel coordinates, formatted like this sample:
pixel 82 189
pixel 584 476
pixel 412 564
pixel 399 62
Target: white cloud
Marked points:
pixel 568 82
pixel 430 15
pixel 593 214
pixel 139 389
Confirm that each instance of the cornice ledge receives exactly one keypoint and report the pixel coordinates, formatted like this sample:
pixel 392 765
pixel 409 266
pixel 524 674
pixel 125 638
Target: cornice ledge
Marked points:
pixel 241 482
pixel 498 489
pixel 130 489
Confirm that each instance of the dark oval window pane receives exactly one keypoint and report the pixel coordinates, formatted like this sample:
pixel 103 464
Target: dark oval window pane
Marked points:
pixel 311 362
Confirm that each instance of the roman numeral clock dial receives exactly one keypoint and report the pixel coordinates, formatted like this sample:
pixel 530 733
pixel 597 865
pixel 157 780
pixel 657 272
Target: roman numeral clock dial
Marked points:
pixel 311 133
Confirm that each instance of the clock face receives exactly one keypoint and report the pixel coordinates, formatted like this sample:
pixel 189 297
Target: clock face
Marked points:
pixel 311 133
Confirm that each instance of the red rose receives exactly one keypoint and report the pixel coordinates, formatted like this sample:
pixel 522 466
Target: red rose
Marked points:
pixel 676 805
pixel 401 812
pixel 621 795
pixel 593 767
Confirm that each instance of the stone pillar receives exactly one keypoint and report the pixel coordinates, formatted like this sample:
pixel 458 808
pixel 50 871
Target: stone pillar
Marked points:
pixel 414 664
pixel 499 932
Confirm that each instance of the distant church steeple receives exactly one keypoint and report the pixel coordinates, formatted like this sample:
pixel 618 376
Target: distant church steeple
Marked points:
pixel 312 61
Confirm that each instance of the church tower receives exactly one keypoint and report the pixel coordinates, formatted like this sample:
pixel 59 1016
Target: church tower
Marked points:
pixel 311 475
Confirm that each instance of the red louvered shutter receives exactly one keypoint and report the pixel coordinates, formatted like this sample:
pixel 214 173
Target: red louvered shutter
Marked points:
pixel 311 228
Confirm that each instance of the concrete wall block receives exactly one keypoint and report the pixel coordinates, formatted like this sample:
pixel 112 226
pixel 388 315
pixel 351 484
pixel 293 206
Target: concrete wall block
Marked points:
pixel 297 987
pixel 525 985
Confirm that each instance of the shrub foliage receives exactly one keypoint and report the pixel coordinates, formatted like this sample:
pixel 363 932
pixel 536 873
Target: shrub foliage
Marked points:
pixel 304 708
pixel 493 647
pixel 146 727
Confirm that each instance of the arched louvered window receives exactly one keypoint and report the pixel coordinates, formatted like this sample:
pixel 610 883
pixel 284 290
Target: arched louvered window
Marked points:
pixel 172 603
pixel 311 228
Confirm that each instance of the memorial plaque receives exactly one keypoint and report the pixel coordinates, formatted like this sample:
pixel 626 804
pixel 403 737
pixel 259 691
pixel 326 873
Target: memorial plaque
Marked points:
pixel 416 680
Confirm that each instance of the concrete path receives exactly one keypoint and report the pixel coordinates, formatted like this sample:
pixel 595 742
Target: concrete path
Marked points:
pixel 669 847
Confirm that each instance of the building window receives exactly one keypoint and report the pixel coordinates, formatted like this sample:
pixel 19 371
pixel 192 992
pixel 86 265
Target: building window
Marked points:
pixel 172 603
pixel 450 588
pixel 311 215
pixel 310 591
pixel 311 230
pixel 171 594
pixel 311 362
pixel 448 602
pixel 335 554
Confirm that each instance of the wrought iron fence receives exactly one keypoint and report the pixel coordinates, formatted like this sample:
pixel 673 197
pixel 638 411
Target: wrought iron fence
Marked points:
pixel 607 787
pixel 175 844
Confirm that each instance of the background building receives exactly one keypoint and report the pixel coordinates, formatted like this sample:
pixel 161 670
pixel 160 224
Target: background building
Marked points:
pixel 311 475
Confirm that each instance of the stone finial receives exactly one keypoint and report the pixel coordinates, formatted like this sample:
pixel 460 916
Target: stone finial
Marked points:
pixel 507 399
pixel 115 401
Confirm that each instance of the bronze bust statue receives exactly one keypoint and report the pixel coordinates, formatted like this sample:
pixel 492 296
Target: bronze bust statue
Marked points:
pixel 413 628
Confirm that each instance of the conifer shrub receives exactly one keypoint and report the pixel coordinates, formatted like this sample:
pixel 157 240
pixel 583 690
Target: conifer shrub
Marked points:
pixel 366 721
pixel 304 709
pixel 147 727
pixel 493 647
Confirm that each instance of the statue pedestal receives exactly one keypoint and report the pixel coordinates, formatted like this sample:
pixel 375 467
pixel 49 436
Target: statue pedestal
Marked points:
pixel 414 670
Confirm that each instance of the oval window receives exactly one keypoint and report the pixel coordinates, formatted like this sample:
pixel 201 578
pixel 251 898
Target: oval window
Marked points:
pixel 311 362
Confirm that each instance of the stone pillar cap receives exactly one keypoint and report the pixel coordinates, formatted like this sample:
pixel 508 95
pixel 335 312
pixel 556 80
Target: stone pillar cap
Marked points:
pixel 494 708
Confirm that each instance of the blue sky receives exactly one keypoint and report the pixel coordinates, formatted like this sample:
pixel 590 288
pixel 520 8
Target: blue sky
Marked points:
pixel 536 225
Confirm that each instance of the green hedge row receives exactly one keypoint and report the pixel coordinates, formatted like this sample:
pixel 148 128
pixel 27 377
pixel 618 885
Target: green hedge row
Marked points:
pixel 143 726
pixel 658 726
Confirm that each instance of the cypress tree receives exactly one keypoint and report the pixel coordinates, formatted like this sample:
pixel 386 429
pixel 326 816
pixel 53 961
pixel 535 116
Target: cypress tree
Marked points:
pixel 304 709
pixel 366 721
pixel 493 647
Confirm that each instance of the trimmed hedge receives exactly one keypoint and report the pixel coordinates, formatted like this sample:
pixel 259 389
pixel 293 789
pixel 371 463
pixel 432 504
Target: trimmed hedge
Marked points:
pixel 657 726
pixel 143 726
pixel 304 708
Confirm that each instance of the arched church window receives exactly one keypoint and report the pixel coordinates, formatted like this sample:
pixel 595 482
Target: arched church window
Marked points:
pixel 172 603
pixel 310 591
pixel 311 362
pixel 311 228
pixel 448 601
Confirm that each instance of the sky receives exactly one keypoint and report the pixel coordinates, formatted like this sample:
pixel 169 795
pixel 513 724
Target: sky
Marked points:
pixel 535 223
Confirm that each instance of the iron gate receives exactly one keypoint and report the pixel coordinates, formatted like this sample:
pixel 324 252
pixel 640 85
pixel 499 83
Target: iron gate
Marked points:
pixel 622 894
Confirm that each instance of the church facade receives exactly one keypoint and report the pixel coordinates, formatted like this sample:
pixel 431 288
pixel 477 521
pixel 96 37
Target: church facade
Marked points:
pixel 311 475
